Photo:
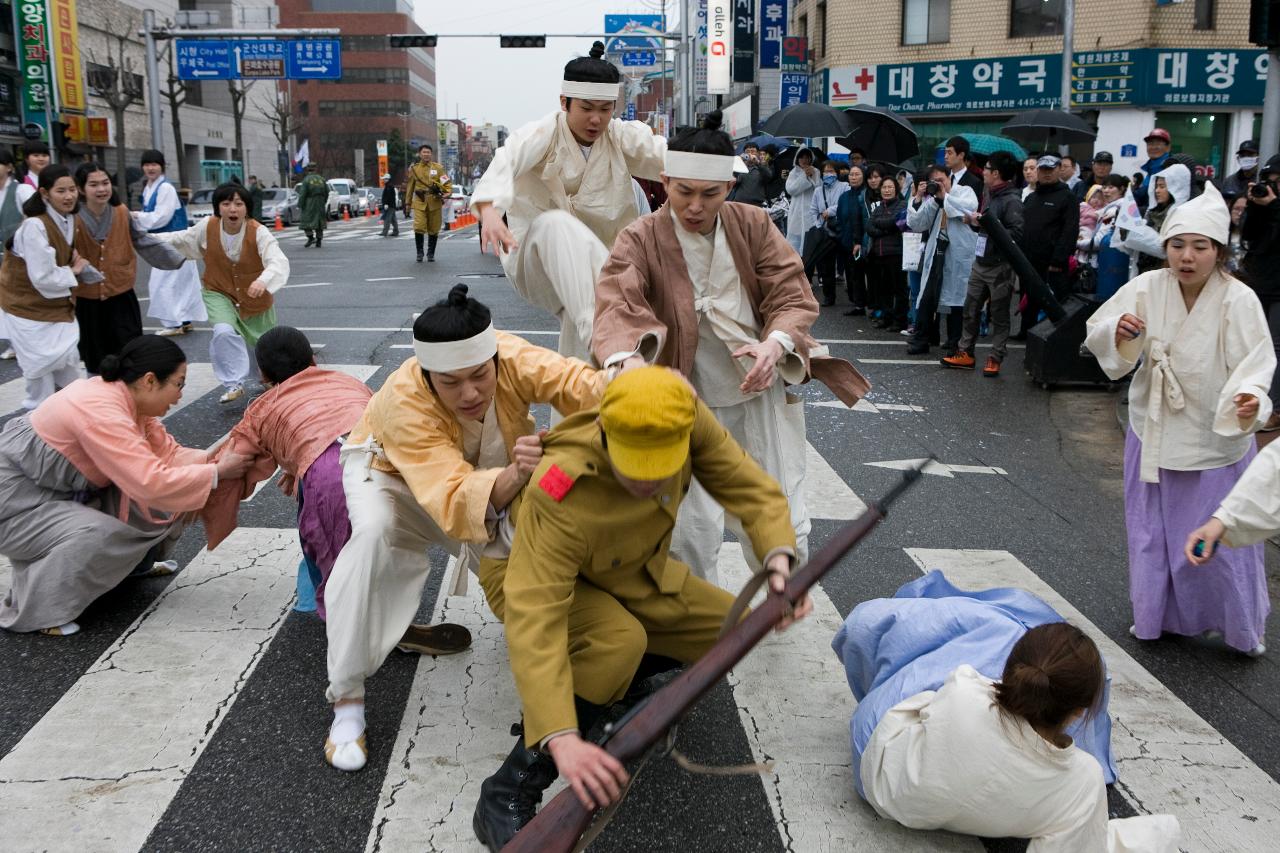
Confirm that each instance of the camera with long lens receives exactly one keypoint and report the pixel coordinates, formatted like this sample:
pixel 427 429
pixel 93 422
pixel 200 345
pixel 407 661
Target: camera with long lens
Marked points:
pixel 933 188
pixel 1259 190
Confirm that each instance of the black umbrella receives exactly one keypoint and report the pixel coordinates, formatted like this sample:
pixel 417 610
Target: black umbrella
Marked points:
pixel 1050 127
pixel 807 120
pixel 881 134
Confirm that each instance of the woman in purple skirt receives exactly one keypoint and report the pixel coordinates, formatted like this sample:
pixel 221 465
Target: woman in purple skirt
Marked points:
pixel 1199 339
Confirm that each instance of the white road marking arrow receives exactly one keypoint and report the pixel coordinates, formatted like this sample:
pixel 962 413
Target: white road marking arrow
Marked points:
pixel 868 406
pixel 938 469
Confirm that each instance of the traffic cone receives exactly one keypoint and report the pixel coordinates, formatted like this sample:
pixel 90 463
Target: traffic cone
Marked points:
pixel 368 213
pixel 346 214
pixel 279 226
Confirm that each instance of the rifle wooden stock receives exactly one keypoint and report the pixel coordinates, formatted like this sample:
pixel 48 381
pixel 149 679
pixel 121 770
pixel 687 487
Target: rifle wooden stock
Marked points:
pixel 558 826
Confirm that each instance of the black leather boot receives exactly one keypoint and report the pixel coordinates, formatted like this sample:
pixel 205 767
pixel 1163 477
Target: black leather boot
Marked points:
pixel 509 798
pixel 418 240
pixel 319 238
pixel 431 247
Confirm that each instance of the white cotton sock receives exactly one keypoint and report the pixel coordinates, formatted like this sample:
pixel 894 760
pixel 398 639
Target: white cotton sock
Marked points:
pixel 348 723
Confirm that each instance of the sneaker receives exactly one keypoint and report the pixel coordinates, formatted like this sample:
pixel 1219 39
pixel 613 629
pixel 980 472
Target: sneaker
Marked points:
pixel 173 331
pixel 1257 651
pixel 909 330
pixel 442 639
pixel 961 360
pixel 62 630
pixel 232 394
pixel 8 354
pixel 992 367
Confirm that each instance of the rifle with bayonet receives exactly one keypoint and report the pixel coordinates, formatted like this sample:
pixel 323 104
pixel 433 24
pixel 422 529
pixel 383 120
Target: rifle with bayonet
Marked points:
pixel 561 823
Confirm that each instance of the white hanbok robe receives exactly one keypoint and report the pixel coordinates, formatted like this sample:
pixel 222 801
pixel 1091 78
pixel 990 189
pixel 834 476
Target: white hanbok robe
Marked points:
pixel 174 294
pixel 951 759
pixel 1251 512
pixel 1181 401
pixel 22 192
pixel 769 427
pixel 565 205
pixel 47 352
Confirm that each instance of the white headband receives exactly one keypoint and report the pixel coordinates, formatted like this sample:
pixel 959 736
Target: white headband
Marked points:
pixel 447 356
pixel 701 167
pixel 590 91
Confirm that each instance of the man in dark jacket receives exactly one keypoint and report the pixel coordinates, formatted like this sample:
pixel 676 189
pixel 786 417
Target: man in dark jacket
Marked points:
pixel 1260 234
pixel 752 187
pixel 389 208
pixel 1051 223
pixel 991 280
pixel 1099 173
pixel 1237 183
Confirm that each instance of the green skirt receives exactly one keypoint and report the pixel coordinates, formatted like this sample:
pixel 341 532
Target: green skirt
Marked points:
pixel 223 310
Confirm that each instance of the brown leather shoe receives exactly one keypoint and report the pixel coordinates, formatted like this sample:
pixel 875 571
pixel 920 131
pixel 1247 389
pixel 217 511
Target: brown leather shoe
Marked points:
pixel 992 367
pixel 443 639
pixel 961 360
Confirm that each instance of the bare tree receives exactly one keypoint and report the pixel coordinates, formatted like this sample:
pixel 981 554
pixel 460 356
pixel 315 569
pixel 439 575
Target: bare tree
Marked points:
pixel 239 90
pixel 118 85
pixel 176 94
pixel 283 125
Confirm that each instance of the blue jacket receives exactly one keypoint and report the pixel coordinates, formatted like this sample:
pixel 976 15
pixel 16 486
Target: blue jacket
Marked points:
pixel 1151 167
pixel 851 218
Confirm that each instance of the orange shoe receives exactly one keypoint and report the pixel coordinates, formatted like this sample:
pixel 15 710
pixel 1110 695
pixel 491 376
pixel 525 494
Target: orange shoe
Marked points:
pixel 961 360
pixel 992 367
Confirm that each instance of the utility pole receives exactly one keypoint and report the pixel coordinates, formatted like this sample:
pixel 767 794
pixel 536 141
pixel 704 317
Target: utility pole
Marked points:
pixel 1068 50
pixel 153 80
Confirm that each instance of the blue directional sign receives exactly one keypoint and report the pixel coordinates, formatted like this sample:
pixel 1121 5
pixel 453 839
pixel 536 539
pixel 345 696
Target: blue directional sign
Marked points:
pixel 639 58
pixel 315 59
pixel 201 59
pixel 259 59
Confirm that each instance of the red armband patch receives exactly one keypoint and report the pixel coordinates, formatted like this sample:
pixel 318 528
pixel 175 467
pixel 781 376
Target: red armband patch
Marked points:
pixel 556 483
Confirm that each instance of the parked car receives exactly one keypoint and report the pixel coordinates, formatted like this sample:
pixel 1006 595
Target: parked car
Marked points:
pixel 200 206
pixel 342 196
pixel 282 202
pixel 372 199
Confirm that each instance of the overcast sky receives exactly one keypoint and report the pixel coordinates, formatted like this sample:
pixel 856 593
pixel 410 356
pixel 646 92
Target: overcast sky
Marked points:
pixel 481 82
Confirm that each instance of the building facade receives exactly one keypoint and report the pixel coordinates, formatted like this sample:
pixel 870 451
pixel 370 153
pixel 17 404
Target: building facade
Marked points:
pixel 382 89
pixel 968 65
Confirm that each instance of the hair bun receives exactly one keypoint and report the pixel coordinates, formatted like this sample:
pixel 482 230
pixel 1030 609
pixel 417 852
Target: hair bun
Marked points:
pixel 597 50
pixel 458 296
pixel 109 368
pixel 713 120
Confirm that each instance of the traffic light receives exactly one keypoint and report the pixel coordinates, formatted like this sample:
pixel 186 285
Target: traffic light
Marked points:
pixel 412 40
pixel 522 41
pixel 1264 22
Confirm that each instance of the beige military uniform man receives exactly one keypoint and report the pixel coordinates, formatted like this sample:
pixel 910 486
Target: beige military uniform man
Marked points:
pixel 589 587
pixel 426 192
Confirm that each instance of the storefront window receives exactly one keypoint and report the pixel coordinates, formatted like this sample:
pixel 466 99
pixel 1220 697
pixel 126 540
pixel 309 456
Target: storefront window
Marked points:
pixel 1203 136
pixel 1034 18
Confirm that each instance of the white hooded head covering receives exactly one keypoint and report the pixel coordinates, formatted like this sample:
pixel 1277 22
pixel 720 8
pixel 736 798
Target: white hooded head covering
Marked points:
pixel 1206 214
pixel 1177 179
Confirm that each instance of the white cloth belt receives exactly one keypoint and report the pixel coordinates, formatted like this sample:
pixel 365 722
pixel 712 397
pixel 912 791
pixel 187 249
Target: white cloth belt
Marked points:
pixel 371 448
pixel 1165 387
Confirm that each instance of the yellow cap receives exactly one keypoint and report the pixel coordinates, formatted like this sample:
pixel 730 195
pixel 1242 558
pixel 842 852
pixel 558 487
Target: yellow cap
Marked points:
pixel 647 415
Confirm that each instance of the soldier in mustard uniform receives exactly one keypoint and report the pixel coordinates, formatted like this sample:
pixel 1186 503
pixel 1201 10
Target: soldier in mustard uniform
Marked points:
pixel 589 588
pixel 425 194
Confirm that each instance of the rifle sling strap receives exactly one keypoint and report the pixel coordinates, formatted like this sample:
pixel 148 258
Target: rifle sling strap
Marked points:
pixel 739 607
pixel 687 764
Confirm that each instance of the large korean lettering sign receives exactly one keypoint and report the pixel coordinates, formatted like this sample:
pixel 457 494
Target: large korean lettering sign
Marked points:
pixel 971 85
pixel 773 29
pixel 1203 77
pixel 33 38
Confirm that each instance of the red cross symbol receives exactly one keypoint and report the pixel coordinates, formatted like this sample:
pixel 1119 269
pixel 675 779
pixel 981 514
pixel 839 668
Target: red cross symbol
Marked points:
pixel 864 79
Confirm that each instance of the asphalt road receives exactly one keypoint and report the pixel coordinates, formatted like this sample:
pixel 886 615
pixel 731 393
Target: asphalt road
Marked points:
pixel 1038 497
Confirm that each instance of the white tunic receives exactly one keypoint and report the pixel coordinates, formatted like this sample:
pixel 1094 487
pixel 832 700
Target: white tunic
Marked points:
pixel 1251 512
pixel 193 242
pixel 44 347
pixel 541 167
pixel 174 294
pixel 1181 401
pixel 951 759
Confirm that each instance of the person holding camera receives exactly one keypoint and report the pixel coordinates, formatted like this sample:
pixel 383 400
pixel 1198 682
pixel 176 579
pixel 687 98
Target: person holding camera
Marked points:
pixel 752 186
pixel 938 209
pixel 424 197
pixel 1260 234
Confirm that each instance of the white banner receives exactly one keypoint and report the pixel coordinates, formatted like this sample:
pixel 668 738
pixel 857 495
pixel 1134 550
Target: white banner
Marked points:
pixel 719 46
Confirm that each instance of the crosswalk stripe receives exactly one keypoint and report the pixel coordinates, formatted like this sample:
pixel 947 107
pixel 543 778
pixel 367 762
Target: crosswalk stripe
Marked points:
pixel 1170 761
pixel 113 751
pixel 826 495
pixel 454 733
pixel 795 706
